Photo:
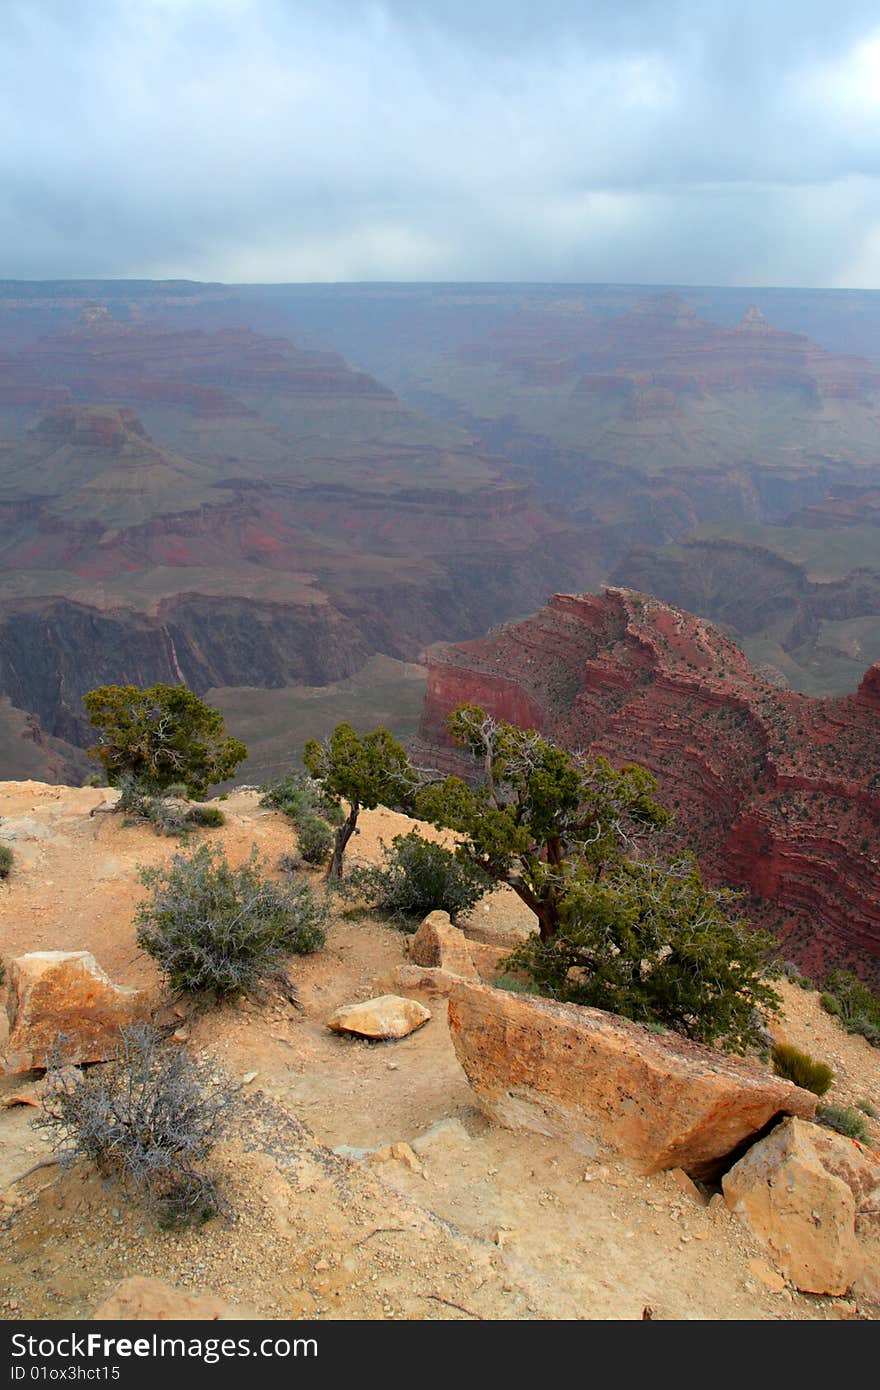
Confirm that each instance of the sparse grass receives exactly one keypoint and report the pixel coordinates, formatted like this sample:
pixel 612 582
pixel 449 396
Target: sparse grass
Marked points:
pixel 7 859
pixel 844 1121
pixel 801 1068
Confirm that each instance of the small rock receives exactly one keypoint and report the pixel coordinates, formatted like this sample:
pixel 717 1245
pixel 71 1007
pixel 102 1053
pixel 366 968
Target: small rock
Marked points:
pixel 399 1153
pixel 249 1076
pixel 688 1186
pixel 389 1016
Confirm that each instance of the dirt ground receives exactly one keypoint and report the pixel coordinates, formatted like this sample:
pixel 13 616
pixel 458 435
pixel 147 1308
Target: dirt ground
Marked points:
pixel 481 1223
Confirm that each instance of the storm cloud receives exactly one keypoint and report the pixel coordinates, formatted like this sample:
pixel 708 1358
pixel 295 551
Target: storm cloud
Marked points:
pixel 642 141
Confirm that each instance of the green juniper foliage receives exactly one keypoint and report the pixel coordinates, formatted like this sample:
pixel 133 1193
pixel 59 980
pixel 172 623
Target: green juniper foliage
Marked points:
pixel 161 735
pixel 365 770
pixel 218 930
pixel 653 943
pixel 541 819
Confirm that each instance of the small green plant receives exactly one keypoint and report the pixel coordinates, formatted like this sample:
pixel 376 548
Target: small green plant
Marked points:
pixel 147 1122
pixel 858 1008
pixel 298 795
pixel 829 1004
pixel 217 930
pixel 7 859
pixel 418 876
pixel 209 816
pixel 314 839
pixel 801 1068
pixel 845 1121
pixel 511 984
pixel 868 1109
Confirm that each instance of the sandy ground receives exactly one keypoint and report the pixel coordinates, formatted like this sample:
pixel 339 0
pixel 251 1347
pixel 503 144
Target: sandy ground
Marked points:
pixel 487 1224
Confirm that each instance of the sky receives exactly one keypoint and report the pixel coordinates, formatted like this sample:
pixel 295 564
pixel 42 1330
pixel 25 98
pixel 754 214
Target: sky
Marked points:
pixel 637 141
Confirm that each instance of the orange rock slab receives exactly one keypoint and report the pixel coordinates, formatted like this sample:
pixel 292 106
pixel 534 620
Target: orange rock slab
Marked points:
pixel 605 1085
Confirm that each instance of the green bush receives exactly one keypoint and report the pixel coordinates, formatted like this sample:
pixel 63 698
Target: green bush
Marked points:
pixel 219 931
pixel 651 942
pixel 314 839
pixel 298 795
pixel 166 810
pixel 829 1004
pixel 416 877
pixel 868 1109
pixel 801 1068
pixel 7 858
pixel 858 1008
pixel 210 816
pixel 146 1122
pixel 844 1120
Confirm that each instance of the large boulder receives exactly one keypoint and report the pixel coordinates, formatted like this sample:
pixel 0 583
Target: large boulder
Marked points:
pixel 389 1016
pixel 607 1085
pixel 811 1197
pixel 54 993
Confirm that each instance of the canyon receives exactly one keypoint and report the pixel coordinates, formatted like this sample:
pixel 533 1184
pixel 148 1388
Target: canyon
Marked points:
pixel 777 793
pixel 266 511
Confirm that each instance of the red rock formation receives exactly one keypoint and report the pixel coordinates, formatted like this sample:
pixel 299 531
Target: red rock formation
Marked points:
pixel 778 793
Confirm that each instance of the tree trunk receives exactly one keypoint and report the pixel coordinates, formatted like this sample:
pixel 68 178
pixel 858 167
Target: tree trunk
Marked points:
pixel 343 835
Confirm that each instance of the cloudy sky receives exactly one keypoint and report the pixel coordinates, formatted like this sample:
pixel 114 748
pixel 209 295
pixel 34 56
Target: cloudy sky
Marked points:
pixel 649 141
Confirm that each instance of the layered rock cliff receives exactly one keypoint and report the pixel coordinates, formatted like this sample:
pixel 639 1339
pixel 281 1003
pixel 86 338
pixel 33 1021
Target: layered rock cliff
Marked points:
pixel 778 794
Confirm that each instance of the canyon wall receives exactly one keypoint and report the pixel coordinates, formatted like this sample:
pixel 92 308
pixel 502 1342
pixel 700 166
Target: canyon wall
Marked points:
pixel 777 793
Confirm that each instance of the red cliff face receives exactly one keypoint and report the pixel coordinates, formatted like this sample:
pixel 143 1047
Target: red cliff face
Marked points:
pixel 777 793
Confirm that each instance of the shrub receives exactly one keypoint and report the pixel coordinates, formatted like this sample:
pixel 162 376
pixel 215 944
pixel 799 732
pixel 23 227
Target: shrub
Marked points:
pixel 147 1122
pixel 868 1109
pixel 844 1120
pixel 298 795
pixel 205 816
pixel 801 1068
pixel 7 858
pixel 217 930
pixel 417 877
pixel 314 839
pixel 165 810
pixel 857 1006
pixel 829 1004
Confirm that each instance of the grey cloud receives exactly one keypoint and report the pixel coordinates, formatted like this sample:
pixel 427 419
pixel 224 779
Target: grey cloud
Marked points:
pixel 656 140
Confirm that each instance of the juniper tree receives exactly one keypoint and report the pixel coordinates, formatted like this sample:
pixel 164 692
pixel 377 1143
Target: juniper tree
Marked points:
pixel 365 771
pixel 161 735
pixel 539 818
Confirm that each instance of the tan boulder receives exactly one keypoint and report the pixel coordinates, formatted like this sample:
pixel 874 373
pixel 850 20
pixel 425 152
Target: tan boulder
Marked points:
pixel 140 1299
pixel 389 1016
pixel 439 944
pixel 65 992
pixel 607 1085
pixel 811 1198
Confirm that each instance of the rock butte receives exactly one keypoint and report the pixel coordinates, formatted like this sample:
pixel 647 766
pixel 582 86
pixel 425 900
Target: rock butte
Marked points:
pixel 777 792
